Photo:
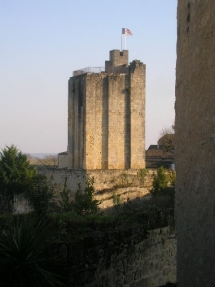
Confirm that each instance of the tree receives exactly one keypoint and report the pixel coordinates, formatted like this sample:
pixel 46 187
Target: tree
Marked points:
pixel 16 173
pixel 167 139
pixel 84 202
pixel 65 203
pixel 170 130
pixel 163 180
pixel 160 180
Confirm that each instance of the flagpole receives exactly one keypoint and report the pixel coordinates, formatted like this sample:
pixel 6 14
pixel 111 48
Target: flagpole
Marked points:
pixel 121 42
pixel 125 32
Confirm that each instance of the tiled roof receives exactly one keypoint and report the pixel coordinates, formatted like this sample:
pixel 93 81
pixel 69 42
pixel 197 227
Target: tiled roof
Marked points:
pixel 153 146
pixel 63 153
pixel 158 154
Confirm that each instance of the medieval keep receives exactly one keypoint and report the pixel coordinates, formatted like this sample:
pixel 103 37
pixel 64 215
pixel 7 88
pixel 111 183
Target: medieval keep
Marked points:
pixel 106 115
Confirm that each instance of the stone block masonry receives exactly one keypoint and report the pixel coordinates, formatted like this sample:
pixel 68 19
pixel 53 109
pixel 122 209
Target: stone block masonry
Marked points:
pixel 195 143
pixel 106 116
pixel 123 258
pixel 127 184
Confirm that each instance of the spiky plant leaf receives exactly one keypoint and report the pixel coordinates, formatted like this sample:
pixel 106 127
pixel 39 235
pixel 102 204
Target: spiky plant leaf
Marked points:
pixel 24 257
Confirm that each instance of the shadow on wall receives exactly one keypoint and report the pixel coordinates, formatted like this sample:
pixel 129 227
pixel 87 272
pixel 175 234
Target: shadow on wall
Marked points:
pixel 114 189
pixel 164 202
pixel 109 185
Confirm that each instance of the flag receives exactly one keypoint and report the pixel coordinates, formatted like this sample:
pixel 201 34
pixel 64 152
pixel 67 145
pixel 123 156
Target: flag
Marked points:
pixel 126 31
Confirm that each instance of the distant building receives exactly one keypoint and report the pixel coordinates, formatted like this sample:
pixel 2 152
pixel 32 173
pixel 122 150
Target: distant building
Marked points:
pixel 161 154
pixel 63 160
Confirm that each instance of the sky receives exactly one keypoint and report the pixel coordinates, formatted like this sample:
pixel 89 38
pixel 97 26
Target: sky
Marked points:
pixel 43 41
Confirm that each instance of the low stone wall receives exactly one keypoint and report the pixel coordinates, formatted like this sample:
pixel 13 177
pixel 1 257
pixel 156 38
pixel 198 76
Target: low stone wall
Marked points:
pixel 123 259
pixel 21 204
pixel 127 184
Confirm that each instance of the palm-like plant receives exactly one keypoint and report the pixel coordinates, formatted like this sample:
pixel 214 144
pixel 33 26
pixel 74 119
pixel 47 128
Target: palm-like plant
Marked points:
pixel 24 257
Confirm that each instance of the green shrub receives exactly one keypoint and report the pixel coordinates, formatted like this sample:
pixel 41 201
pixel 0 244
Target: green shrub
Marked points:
pixel 163 180
pixel 116 199
pixel 41 194
pixel 172 177
pixel 65 204
pixel 84 202
pixel 160 180
pixel 142 174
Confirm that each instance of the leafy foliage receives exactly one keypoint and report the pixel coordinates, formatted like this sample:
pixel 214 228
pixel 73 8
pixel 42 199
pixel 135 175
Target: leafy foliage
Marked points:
pixel 84 202
pixel 65 204
pixel 169 143
pixel 24 257
pixel 172 177
pixel 160 181
pixel 167 140
pixel 16 173
pixel 142 174
pixel 116 199
pixel 163 179
pixel 41 193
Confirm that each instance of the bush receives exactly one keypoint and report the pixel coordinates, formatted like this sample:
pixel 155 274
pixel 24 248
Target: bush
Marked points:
pixel 172 177
pixel 142 175
pixel 163 180
pixel 160 180
pixel 116 199
pixel 65 204
pixel 41 194
pixel 84 202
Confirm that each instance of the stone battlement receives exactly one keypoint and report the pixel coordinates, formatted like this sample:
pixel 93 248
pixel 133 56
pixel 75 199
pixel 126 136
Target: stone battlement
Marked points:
pixel 116 59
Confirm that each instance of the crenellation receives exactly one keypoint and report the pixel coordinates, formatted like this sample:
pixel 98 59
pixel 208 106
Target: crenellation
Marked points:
pixel 117 59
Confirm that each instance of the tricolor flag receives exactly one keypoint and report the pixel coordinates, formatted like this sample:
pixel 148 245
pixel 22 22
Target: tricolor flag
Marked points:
pixel 126 32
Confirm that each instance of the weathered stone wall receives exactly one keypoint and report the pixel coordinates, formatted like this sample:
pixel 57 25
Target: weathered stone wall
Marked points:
pixel 117 118
pixel 21 204
pixel 106 118
pixel 117 59
pixel 62 160
pixel 94 121
pixel 195 143
pixel 128 184
pixel 137 72
pixel 76 121
pixel 123 258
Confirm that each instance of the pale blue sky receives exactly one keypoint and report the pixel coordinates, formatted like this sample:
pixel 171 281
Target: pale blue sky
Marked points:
pixel 43 41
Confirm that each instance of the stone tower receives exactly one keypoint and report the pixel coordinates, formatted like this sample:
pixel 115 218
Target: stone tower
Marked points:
pixel 195 143
pixel 106 116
